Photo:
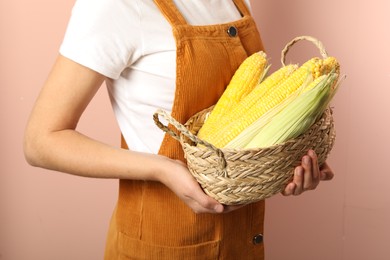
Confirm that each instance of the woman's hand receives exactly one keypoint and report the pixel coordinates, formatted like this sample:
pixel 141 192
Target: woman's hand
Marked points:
pixel 184 185
pixel 308 175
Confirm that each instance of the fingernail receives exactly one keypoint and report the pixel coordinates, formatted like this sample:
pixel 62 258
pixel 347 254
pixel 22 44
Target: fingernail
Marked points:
pixel 291 188
pixel 218 208
pixel 306 160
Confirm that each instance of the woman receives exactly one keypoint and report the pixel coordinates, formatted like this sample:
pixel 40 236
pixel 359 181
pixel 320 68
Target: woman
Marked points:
pixel 170 54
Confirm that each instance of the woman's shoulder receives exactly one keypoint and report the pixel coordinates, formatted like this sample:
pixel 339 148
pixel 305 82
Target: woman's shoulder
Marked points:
pixel 104 35
pixel 106 7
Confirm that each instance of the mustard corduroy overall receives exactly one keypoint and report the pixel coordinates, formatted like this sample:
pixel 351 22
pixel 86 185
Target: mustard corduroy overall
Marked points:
pixel 150 221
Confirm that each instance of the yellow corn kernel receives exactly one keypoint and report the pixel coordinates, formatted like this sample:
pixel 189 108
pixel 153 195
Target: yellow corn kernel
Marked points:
pixel 331 65
pixel 227 132
pixel 258 92
pixel 313 83
pixel 263 89
pixel 247 76
pixel 324 67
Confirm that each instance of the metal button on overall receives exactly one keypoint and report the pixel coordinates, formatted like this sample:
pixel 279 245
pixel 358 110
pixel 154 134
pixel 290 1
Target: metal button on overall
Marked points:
pixel 258 239
pixel 232 31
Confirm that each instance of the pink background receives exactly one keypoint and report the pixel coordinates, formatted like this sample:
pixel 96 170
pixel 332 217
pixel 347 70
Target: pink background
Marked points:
pixel 46 215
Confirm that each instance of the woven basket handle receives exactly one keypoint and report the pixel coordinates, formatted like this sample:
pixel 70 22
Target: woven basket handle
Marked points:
pixel 315 41
pixel 179 127
pixel 187 133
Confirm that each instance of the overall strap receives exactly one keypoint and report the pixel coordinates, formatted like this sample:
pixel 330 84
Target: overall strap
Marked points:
pixel 174 16
pixel 241 6
pixel 170 11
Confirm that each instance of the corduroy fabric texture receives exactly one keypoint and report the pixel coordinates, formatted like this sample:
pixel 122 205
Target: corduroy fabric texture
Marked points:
pixel 150 221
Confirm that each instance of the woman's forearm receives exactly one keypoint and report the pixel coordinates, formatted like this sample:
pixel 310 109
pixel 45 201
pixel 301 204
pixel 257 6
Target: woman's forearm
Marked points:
pixel 72 152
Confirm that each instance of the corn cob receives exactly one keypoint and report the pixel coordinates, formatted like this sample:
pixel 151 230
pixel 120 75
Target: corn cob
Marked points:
pixel 331 64
pixel 250 100
pixel 328 65
pixel 260 91
pixel 251 71
pixel 223 135
pixel 298 115
pixel 313 83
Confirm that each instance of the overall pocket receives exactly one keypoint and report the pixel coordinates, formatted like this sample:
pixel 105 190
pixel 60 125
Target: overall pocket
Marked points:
pixel 129 248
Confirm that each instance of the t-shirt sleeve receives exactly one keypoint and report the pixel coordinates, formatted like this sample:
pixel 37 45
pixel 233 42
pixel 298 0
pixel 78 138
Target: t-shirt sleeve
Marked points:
pixel 248 4
pixel 103 35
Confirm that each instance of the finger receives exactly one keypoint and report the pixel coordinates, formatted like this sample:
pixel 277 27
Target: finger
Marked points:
pixel 199 208
pixel 326 176
pixel 326 172
pixel 205 204
pixel 289 190
pixel 298 180
pixel 308 172
pixel 315 166
pixel 315 170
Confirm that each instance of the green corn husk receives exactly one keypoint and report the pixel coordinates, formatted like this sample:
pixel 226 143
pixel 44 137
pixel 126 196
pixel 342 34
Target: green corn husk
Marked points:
pixel 298 115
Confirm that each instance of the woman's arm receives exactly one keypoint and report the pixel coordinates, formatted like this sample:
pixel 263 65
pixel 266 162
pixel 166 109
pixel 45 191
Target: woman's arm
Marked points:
pixel 52 141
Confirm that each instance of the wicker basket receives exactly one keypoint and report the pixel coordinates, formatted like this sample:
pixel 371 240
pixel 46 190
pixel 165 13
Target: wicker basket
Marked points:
pixel 242 176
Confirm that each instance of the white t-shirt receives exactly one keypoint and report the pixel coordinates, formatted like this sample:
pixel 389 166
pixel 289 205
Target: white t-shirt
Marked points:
pixel 131 43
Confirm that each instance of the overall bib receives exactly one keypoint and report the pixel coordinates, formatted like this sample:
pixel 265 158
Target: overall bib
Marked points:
pixel 150 221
